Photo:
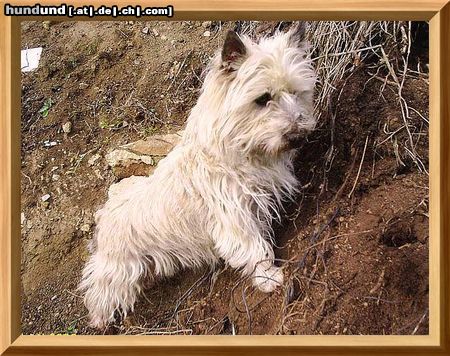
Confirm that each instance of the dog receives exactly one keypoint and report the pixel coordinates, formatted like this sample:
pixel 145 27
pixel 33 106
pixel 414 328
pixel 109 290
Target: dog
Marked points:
pixel 216 194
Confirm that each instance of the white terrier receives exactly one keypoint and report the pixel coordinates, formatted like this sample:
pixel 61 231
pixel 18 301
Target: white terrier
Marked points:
pixel 217 193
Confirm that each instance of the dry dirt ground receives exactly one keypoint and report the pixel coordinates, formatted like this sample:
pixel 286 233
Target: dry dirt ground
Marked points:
pixel 354 246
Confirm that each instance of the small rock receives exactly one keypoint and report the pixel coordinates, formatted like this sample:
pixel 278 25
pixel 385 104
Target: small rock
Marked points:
pixel 207 34
pixel 54 297
pixel 48 143
pixel 67 127
pixel 85 227
pixel 141 157
pixel 83 86
pixel 55 177
pixel 206 24
pixel 123 157
pixel 145 30
pixel 156 145
pixel 155 32
pixel 164 37
pixel 99 175
pixel 45 197
pixel 22 218
pixel 93 159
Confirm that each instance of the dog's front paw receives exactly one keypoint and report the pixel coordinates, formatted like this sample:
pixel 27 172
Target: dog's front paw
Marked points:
pixel 267 277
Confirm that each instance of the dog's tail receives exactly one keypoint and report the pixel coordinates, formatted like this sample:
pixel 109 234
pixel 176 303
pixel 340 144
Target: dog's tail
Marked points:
pixel 112 275
pixel 111 283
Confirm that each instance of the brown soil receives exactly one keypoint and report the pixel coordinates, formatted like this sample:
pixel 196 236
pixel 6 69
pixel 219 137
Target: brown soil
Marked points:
pixel 356 260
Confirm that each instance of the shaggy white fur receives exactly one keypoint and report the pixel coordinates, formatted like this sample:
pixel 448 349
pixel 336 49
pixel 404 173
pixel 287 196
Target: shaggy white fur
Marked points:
pixel 216 194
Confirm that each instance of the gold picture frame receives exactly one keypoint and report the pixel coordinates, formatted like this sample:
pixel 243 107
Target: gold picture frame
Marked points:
pixel 437 12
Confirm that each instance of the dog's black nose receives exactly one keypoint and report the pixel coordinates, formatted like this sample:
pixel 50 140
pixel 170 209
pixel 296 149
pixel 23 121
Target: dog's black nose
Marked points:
pixel 294 139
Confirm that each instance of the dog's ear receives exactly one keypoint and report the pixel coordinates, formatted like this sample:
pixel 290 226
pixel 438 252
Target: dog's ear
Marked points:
pixel 298 33
pixel 233 51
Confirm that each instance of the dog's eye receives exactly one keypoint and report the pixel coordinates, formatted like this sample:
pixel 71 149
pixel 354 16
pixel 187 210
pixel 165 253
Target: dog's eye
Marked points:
pixel 263 99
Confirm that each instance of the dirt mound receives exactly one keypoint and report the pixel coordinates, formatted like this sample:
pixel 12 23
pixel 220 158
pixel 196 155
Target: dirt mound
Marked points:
pixel 354 246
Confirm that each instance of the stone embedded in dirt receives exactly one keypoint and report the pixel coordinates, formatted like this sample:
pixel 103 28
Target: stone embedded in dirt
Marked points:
pixel 174 70
pixel 22 218
pixel 123 161
pixel 85 227
pixel 93 159
pixel 67 127
pixel 48 143
pixel 83 86
pixel 141 157
pixel 155 32
pixel 206 24
pixel 145 30
pixel 156 145
pixel 55 177
pixel 45 197
pixel 98 174
pixel 207 33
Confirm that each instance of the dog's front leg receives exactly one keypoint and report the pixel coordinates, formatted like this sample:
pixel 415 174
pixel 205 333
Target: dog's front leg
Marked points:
pixel 249 252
